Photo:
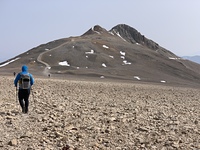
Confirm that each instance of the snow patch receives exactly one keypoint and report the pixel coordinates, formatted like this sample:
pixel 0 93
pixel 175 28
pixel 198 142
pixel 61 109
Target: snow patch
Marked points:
pixel 9 62
pixel 111 33
pixel 91 52
pixel 104 65
pixel 64 63
pixel 122 53
pixel 111 56
pixel 104 46
pixel 126 62
pixel 174 58
pixel 136 77
pixel 122 57
pixel 119 35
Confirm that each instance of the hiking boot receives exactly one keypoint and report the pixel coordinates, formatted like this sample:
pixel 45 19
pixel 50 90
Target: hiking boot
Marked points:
pixel 26 110
pixel 23 109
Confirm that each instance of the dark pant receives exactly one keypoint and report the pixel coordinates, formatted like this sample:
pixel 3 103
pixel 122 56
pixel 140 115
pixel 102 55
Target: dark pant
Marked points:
pixel 23 95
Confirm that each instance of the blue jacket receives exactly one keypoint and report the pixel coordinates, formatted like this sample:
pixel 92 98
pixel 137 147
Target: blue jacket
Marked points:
pixel 24 71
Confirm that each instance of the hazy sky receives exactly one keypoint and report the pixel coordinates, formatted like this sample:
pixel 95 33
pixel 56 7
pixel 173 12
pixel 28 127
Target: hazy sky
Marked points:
pixel 24 24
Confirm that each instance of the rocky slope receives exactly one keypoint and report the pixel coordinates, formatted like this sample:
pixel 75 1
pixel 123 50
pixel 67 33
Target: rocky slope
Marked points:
pixel 100 115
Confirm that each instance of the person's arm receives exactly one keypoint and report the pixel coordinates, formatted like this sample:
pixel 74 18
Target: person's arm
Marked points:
pixel 31 79
pixel 17 79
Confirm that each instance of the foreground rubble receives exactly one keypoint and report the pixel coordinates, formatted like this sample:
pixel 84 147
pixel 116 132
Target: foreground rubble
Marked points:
pixel 85 115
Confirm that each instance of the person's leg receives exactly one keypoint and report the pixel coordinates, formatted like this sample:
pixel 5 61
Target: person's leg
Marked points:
pixel 26 99
pixel 21 102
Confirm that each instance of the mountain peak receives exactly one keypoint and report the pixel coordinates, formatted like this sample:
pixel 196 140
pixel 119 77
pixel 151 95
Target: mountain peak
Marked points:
pixel 97 29
pixel 133 36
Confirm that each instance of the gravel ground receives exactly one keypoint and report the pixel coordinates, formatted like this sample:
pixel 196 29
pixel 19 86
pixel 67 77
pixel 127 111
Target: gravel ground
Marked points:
pixel 84 115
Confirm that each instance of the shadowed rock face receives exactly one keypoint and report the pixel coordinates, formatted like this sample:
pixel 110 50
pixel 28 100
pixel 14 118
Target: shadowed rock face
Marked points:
pixel 133 36
pixel 120 53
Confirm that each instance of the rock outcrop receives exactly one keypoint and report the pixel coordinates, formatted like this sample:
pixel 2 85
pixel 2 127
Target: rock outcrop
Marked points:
pixel 133 36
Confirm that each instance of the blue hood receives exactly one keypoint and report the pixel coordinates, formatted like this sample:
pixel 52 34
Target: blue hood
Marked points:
pixel 24 68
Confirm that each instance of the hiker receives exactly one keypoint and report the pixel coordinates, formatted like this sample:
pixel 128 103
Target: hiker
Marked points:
pixel 14 74
pixel 25 81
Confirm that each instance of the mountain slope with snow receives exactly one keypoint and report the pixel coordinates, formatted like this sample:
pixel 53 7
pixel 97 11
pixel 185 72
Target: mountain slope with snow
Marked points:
pixel 120 53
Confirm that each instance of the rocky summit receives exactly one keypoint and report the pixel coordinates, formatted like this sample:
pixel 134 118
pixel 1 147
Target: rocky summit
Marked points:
pixel 122 53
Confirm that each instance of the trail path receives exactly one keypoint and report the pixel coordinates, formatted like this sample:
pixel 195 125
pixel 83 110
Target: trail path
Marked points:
pixel 39 58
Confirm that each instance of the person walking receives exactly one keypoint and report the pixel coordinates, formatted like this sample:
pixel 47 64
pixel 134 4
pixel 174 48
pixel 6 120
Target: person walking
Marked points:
pixel 25 81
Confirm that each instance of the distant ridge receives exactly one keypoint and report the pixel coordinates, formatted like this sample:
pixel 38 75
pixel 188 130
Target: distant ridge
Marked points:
pixel 193 58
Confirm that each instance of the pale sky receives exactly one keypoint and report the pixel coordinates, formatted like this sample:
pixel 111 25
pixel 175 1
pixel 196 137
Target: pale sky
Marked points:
pixel 25 24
